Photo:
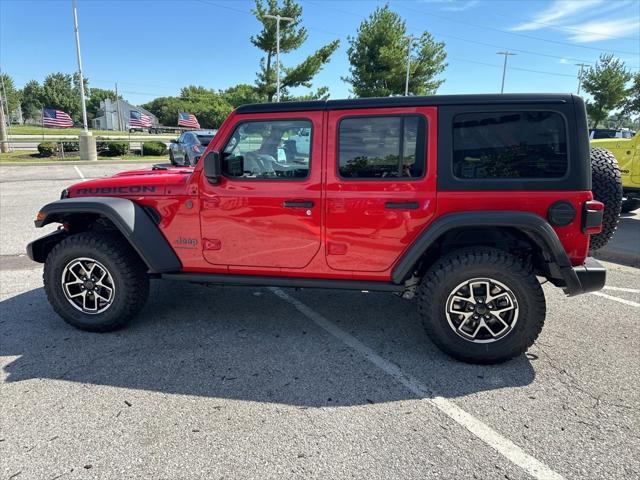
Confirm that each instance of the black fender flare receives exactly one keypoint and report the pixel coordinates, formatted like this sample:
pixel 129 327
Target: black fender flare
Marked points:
pixel 532 225
pixel 127 216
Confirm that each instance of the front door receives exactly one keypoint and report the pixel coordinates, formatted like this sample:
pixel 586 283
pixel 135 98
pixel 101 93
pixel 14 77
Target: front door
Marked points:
pixel 266 209
pixel 381 185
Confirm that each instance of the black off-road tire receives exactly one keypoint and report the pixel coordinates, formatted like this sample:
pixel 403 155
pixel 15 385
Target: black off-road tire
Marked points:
pixel 482 262
pixel 630 204
pixel 606 188
pixel 128 272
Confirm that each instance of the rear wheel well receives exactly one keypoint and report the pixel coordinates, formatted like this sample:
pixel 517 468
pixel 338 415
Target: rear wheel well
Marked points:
pixel 508 239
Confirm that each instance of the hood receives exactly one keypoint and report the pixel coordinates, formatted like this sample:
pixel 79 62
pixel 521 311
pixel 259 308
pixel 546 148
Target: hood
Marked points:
pixel 135 183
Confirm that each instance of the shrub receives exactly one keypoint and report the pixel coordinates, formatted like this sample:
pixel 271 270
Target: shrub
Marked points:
pixel 115 148
pixel 46 149
pixel 71 146
pixel 154 148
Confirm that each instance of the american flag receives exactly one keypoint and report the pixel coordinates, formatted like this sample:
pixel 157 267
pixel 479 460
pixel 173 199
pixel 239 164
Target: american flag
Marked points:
pixel 186 119
pixel 55 118
pixel 140 120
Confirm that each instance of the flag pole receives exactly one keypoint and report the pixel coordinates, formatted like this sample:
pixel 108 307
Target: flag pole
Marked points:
pixel 42 121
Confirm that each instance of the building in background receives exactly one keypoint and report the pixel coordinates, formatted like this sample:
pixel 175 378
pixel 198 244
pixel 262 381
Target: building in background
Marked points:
pixel 115 115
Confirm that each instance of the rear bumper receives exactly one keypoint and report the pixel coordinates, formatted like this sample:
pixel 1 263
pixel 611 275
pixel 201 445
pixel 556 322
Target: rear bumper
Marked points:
pixel 588 277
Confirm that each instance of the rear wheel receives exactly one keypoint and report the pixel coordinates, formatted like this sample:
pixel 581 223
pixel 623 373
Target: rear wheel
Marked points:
pixel 481 305
pixel 607 188
pixel 95 281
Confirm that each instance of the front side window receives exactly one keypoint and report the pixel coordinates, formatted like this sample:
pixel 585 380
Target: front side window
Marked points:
pixel 385 147
pixel 270 149
pixel 503 145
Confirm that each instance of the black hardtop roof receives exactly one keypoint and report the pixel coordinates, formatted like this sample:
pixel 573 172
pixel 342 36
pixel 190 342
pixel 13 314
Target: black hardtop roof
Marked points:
pixel 411 101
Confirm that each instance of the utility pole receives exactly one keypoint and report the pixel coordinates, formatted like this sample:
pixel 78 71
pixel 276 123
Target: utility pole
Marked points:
pixel 118 108
pixel 581 65
pixel 506 54
pixel 409 39
pixel 87 141
pixel 4 144
pixel 277 18
pixel 4 101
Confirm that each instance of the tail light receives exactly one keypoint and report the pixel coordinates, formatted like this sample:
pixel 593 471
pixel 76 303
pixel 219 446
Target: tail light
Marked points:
pixel 592 217
pixel 196 148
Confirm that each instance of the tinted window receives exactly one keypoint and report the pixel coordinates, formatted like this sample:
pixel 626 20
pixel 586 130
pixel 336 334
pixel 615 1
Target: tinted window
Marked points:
pixel 509 145
pixel 268 149
pixel 204 139
pixel 382 147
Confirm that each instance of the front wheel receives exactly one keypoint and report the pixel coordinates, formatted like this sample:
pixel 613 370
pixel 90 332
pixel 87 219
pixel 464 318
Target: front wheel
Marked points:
pixel 95 281
pixel 482 305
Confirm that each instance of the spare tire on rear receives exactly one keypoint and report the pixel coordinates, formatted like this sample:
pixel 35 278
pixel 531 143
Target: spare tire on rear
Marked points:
pixel 606 188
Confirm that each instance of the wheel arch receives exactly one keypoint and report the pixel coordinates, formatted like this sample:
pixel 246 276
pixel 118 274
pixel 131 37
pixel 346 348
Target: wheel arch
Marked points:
pixel 453 230
pixel 131 220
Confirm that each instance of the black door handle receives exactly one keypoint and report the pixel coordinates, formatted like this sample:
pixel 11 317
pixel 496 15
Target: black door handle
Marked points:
pixel 298 203
pixel 402 205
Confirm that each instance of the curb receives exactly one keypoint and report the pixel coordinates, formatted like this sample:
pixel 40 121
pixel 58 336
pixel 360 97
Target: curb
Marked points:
pixel 78 162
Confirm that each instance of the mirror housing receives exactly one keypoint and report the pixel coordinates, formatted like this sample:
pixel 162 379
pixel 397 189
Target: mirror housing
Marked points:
pixel 212 167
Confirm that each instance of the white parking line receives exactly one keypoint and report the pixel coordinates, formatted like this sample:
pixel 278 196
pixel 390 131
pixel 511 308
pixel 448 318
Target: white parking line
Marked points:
pixel 79 172
pixel 484 432
pixel 616 299
pixel 620 289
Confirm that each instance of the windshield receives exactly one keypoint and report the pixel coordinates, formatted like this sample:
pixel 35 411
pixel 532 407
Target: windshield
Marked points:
pixel 205 139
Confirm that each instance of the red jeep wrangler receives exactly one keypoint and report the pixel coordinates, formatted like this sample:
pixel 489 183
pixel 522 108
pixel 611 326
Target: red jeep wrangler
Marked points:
pixel 463 201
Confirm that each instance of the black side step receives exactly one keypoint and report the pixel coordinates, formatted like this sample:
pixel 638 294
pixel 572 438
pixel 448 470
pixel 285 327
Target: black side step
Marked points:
pixel 290 282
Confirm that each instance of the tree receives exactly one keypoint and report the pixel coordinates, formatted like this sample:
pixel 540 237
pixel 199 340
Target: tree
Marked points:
pixel 241 94
pixel 13 95
pixel 209 106
pixel 62 91
pixel 291 38
pixel 378 57
pixel 96 96
pixel 606 83
pixel 632 104
pixel 32 96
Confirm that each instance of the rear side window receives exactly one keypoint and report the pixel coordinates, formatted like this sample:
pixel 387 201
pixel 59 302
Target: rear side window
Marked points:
pixel 385 147
pixel 502 145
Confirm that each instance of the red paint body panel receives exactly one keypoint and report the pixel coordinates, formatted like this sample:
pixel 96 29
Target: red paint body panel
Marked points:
pixel 240 226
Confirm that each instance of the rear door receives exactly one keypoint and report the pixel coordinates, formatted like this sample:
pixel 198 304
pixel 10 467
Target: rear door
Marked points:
pixel 266 209
pixel 380 190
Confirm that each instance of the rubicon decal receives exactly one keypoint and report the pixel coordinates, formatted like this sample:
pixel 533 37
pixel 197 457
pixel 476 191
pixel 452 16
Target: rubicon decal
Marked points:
pixel 112 190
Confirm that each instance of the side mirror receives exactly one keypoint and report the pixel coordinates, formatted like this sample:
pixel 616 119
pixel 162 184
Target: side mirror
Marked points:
pixel 212 167
pixel 175 140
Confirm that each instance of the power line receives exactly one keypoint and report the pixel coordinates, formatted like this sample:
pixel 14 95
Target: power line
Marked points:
pixel 507 32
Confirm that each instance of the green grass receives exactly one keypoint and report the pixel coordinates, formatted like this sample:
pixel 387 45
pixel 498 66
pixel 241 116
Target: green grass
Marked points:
pixel 37 131
pixel 31 156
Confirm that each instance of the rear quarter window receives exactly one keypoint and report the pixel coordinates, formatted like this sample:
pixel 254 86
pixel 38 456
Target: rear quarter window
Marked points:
pixel 509 145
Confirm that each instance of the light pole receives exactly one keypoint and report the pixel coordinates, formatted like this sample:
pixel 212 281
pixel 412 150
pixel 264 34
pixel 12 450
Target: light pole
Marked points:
pixel 506 54
pixel 410 39
pixel 581 65
pixel 87 141
pixel 277 18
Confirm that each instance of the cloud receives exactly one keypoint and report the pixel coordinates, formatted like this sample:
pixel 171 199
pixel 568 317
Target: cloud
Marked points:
pixel 456 5
pixel 558 12
pixel 461 6
pixel 603 30
pixel 563 61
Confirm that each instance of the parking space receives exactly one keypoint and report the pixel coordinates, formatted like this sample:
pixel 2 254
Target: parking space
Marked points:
pixel 220 382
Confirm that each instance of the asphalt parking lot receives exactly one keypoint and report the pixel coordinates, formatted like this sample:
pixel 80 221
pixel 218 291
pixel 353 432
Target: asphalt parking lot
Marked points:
pixel 220 382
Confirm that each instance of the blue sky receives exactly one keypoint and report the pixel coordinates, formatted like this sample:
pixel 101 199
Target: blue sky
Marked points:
pixel 154 47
